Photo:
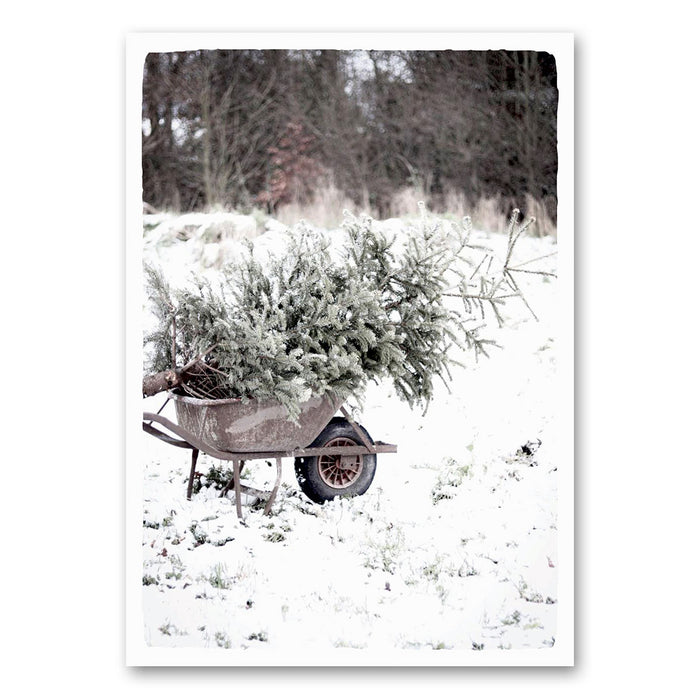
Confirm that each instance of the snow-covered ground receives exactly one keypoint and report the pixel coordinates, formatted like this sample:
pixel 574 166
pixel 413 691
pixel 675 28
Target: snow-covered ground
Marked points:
pixel 454 546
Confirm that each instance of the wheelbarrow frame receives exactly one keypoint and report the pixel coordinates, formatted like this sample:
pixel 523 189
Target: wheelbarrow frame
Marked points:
pixel 187 440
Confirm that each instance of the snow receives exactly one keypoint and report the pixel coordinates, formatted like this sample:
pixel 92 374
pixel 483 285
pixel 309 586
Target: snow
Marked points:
pixel 454 546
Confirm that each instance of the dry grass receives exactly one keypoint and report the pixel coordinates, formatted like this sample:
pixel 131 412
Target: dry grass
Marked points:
pixel 325 210
pixel 487 213
pixel 543 226
pixel 405 202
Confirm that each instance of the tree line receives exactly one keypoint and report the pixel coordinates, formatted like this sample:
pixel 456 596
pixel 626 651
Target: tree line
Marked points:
pixel 260 128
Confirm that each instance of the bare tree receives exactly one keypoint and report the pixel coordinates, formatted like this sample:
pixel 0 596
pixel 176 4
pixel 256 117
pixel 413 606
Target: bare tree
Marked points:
pixel 482 123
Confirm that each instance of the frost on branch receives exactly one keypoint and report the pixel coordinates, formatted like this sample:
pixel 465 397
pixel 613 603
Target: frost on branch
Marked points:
pixel 321 318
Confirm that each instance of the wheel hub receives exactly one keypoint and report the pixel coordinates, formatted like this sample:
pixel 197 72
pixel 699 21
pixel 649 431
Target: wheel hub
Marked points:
pixel 339 471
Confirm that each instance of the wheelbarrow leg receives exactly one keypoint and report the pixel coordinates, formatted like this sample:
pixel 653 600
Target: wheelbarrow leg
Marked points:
pixel 238 466
pixel 190 483
pixel 273 495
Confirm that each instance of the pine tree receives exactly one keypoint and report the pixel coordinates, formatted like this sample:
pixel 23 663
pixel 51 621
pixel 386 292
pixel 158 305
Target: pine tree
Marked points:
pixel 310 322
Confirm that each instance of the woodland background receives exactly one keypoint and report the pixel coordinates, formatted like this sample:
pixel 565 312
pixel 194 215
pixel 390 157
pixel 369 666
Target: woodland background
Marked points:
pixel 295 133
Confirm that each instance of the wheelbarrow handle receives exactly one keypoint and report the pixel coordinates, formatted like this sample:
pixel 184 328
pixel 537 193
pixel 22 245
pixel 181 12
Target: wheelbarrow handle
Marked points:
pixel 152 430
pixel 191 441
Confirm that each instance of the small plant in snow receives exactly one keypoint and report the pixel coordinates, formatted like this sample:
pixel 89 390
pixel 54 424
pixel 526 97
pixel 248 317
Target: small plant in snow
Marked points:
pixel 466 569
pixel 525 453
pixel 258 636
pixel 344 644
pixel 432 571
pixel 512 619
pixel 435 574
pixel 218 577
pixel 168 629
pixel 221 541
pixel 222 640
pixel 275 536
pixel 528 595
pixel 217 476
pixel 200 536
pixel 177 568
pixel 384 548
pixel 449 481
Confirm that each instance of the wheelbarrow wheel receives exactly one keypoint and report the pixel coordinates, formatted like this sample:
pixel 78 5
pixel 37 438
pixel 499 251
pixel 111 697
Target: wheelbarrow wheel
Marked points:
pixel 327 477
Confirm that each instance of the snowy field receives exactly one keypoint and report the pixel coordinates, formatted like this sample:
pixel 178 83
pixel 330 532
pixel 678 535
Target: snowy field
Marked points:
pixel 454 546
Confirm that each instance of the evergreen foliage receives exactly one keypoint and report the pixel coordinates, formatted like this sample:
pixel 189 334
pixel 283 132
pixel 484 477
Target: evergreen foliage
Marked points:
pixel 319 319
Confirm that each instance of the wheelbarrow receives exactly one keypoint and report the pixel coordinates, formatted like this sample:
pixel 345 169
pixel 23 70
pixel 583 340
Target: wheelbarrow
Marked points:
pixel 333 456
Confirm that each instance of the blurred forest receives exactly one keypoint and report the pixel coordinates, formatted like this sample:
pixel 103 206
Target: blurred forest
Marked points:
pixel 269 129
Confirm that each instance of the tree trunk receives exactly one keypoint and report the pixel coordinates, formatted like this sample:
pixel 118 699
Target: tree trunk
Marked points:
pixel 171 378
pixel 161 381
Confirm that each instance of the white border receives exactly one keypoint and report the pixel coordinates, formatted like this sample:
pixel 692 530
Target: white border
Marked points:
pixel 561 46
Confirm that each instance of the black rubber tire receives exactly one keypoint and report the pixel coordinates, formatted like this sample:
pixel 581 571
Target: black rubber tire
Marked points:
pixel 307 468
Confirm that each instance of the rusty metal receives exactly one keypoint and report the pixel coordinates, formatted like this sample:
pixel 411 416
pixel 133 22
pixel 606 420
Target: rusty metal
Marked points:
pixel 161 435
pixel 273 494
pixel 337 470
pixel 202 427
pixel 359 432
pixel 250 426
pixel 190 481
pixel 237 467
pixel 189 441
pixel 257 494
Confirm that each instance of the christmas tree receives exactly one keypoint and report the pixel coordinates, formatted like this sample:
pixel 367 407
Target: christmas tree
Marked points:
pixel 320 317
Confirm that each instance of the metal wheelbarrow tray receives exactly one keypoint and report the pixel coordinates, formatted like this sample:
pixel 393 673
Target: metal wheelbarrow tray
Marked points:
pixel 332 456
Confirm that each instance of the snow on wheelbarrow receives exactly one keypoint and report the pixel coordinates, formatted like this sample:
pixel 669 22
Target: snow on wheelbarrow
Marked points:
pixel 333 455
